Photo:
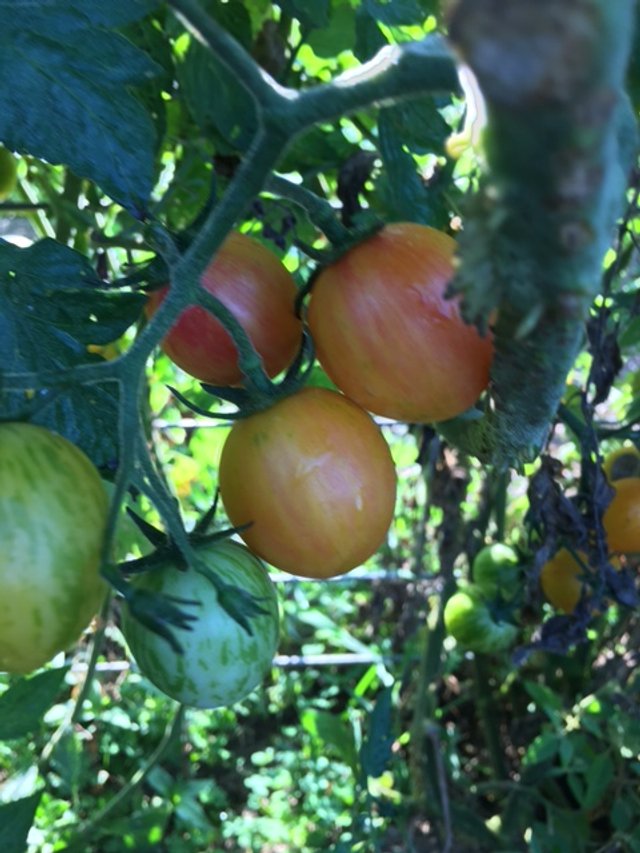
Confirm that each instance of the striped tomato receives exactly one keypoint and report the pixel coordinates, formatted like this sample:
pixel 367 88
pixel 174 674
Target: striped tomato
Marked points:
pixel 313 478
pixel 220 661
pixel 53 510
pixel 388 336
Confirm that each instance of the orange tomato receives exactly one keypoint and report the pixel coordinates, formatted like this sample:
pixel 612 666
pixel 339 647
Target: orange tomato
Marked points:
pixel 386 334
pixel 622 517
pixel 314 478
pixel 560 580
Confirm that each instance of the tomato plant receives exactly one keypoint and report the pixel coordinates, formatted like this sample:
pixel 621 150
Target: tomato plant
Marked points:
pixel 221 662
pixel 495 571
pixel 622 463
pixel 622 517
pixel 469 620
pixel 53 510
pixel 259 291
pixel 387 336
pixel 314 478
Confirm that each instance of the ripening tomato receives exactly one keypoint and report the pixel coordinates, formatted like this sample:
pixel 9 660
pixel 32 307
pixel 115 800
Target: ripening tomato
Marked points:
pixel 314 478
pixel 560 579
pixel 622 463
pixel 221 662
pixel 386 335
pixel 259 291
pixel 53 512
pixel 622 517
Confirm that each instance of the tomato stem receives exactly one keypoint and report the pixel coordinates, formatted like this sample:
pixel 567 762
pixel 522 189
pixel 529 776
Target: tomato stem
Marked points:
pixel 559 147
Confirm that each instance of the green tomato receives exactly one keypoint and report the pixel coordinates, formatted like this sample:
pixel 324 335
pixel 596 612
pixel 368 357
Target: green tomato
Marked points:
pixel 8 173
pixel 221 662
pixel 53 511
pixel 496 570
pixel 468 619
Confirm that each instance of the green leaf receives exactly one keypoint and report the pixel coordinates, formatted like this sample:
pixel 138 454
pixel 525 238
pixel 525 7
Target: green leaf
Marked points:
pixel 599 777
pixel 394 12
pixel 16 819
pixel 337 35
pixel 231 113
pixel 545 699
pixel 375 751
pixel 24 704
pixel 311 15
pixel 100 14
pixel 335 732
pixel 65 97
pixel 404 194
pixel 542 748
pixel 623 813
pixel 235 19
pixel 52 305
pixel 318 149
pixel 369 36
pixel 630 335
pixel 71 762
pixel 419 124
pixel 470 825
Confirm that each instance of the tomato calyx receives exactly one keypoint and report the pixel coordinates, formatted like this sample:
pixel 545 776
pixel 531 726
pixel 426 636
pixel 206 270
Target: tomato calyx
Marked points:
pixel 161 613
pixel 368 226
pixel 253 399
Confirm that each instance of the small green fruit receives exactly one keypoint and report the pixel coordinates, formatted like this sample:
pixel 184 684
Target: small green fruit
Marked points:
pixel 468 619
pixel 496 570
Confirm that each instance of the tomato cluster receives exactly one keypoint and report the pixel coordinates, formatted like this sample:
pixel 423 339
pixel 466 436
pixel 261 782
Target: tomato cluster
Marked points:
pixel 309 480
pixel 563 578
pixel 391 341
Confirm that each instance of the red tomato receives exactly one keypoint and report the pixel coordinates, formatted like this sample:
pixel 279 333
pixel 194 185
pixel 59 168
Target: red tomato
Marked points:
pixel 385 333
pixel 260 292
pixel 315 478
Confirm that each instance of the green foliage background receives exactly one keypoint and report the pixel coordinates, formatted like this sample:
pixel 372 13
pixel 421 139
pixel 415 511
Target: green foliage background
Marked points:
pixel 374 731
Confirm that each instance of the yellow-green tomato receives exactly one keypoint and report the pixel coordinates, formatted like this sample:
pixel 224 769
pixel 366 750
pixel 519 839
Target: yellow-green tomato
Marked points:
pixel 53 511
pixel 221 662
pixel 495 570
pixel 468 619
